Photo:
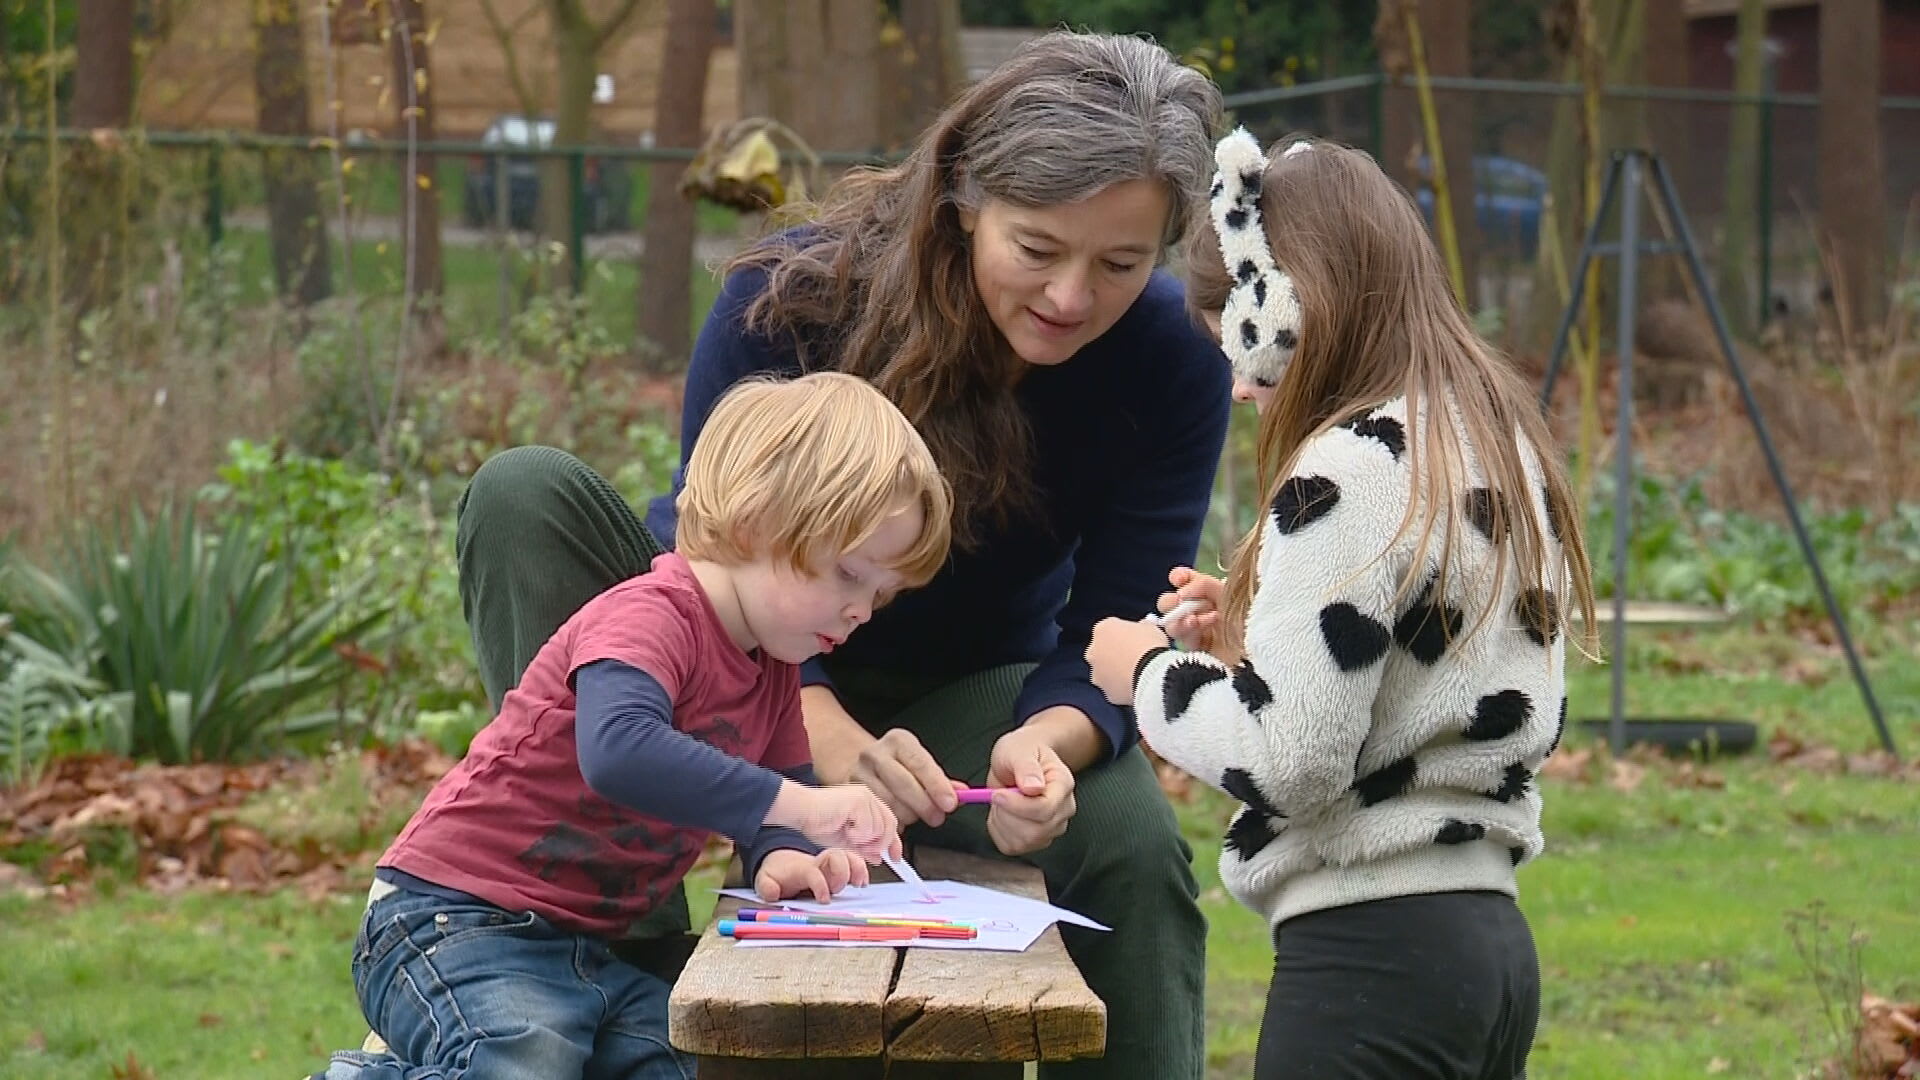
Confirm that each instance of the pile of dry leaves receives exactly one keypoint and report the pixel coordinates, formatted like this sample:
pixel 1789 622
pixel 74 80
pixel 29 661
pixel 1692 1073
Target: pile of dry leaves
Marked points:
pixel 1593 764
pixel 183 822
pixel 1888 1045
pixel 215 826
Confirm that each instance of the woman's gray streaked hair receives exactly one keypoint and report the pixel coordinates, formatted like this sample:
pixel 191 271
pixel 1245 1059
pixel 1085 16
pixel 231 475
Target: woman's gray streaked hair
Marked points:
pixel 1083 112
pixel 881 284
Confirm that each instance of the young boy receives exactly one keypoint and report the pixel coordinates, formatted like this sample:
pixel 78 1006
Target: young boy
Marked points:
pixel 666 709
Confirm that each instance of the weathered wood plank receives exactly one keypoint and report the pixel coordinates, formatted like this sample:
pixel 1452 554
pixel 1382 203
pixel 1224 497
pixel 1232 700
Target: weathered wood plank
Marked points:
pixel 713 1068
pixel 780 1003
pixel 719 1068
pixel 989 1006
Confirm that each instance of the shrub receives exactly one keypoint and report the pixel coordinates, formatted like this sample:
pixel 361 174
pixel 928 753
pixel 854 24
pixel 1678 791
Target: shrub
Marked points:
pixel 196 629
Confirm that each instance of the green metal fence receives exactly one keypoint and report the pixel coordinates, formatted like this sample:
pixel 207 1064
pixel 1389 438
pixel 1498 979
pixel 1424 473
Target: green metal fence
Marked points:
pixel 1514 122
pixel 213 180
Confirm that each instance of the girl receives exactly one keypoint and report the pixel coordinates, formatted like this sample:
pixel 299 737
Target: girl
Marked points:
pixel 1380 676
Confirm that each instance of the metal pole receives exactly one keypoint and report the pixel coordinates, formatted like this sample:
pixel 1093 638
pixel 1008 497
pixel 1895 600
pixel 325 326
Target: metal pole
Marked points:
pixel 577 183
pixel 1559 352
pixel 503 230
pixel 1628 165
pixel 215 212
pixel 1699 272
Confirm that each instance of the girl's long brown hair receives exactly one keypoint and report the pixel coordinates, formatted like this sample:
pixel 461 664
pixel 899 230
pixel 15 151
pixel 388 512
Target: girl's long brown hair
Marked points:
pixel 1380 321
pixel 884 278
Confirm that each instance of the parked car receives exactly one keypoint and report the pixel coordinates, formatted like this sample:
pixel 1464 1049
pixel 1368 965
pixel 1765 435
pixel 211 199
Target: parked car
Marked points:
pixel 1508 199
pixel 607 185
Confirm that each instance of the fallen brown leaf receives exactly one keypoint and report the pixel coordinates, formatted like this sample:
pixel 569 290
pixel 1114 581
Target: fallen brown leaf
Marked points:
pixel 132 1070
pixel 1567 765
pixel 1625 776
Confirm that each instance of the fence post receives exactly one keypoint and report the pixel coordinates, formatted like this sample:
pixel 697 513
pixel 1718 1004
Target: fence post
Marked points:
pixel 215 213
pixel 1765 200
pixel 1377 114
pixel 577 182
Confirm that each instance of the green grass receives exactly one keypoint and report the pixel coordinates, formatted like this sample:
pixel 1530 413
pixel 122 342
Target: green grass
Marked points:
pixel 1663 941
pixel 1661 914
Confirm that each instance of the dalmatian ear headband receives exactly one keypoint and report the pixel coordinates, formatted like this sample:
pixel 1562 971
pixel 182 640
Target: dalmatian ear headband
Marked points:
pixel 1260 325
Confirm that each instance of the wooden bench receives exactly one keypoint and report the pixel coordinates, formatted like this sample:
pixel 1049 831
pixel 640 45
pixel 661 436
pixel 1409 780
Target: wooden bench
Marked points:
pixel 907 1014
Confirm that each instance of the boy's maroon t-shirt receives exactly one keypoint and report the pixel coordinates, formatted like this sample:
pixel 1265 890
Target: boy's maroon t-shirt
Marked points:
pixel 516 825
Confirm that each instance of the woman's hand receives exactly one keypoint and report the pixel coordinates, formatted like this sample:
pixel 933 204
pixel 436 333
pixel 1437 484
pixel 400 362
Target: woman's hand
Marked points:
pixel 895 766
pixel 1035 801
pixel 785 873
pixel 905 776
pixel 1199 628
pixel 1115 651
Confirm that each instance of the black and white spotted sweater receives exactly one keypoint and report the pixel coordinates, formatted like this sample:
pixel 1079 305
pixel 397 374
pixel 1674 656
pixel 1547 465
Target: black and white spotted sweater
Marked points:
pixel 1379 748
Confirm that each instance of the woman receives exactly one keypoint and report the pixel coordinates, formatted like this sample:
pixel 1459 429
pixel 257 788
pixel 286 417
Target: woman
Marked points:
pixel 1002 287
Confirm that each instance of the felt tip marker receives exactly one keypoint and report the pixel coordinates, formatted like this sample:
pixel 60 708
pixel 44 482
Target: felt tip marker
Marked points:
pixel 1184 607
pixel 821 918
pixel 789 932
pixel 975 795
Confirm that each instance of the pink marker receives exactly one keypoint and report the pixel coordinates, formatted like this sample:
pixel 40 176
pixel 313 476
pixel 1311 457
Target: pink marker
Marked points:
pixel 975 795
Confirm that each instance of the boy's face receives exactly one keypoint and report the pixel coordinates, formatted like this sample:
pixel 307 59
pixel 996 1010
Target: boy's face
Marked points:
pixel 795 617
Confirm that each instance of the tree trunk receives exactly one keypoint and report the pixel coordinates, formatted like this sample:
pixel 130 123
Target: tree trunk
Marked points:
pixel 932 64
pixel 1853 207
pixel 103 89
pixel 813 65
pixel 666 262
pixel 1448 28
pixel 1446 35
pixel 302 265
pixel 419 194
pixel 1664 26
pixel 97 208
pixel 1737 281
pixel 577 41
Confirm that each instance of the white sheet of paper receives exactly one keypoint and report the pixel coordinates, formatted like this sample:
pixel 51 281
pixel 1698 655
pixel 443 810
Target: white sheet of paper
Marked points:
pixel 1007 923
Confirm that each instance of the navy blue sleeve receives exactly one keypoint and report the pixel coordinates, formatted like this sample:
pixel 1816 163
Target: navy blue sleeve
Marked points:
pixel 1156 507
pixel 724 353
pixel 631 754
pixel 772 838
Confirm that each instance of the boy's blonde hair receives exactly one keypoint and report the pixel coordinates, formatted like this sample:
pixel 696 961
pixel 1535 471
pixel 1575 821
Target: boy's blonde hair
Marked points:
pixel 805 470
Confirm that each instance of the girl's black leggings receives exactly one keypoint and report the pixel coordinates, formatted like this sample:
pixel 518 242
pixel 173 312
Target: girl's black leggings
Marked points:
pixel 1445 985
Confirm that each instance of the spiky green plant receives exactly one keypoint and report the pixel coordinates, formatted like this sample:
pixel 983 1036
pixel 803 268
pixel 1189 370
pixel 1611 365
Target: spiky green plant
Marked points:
pixel 196 629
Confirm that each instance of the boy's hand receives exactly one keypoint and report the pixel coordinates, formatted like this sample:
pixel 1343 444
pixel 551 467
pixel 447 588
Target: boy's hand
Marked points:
pixel 1198 630
pixel 1113 654
pixel 844 816
pixel 786 873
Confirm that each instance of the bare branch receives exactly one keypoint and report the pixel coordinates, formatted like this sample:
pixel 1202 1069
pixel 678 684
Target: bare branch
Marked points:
pixel 607 30
pixel 502 33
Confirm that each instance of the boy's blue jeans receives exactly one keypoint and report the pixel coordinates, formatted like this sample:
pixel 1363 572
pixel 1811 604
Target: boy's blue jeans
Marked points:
pixel 470 990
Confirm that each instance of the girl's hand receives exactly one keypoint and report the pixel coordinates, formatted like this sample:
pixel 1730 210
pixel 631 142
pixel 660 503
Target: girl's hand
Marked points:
pixel 1114 654
pixel 787 873
pixel 1198 630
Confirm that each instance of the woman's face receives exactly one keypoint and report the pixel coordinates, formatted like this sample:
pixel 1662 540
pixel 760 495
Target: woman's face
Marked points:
pixel 1054 278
